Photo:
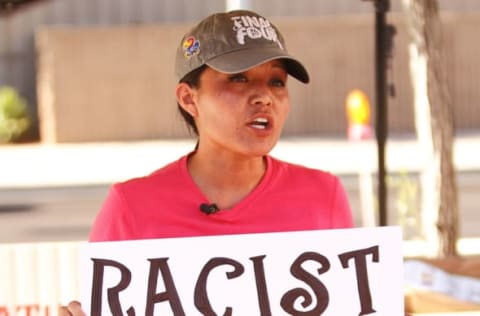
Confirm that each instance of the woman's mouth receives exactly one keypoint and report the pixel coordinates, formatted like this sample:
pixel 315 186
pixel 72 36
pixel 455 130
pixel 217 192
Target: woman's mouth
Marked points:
pixel 260 123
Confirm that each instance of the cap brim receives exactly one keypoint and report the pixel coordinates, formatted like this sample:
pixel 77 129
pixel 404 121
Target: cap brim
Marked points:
pixel 243 60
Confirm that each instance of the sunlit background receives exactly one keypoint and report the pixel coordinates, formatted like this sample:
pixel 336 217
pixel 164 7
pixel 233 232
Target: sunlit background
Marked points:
pixel 86 100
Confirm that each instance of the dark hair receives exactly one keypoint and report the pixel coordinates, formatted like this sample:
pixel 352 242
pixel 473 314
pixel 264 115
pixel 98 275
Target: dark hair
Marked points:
pixel 193 80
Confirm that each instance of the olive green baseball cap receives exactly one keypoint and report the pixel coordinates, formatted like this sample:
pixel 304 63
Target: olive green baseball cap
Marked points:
pixel 233 42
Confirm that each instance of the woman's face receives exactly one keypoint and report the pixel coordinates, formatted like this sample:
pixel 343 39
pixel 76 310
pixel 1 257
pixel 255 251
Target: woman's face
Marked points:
pixel 242 113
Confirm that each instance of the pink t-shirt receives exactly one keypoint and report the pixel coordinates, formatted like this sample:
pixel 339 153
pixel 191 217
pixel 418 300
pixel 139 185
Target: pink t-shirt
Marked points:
pixel 167 202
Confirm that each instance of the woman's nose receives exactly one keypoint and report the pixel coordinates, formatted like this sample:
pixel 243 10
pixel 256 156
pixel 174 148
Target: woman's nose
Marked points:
pixel 261 95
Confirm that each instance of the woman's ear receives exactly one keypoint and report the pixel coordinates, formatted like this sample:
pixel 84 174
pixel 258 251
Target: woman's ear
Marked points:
pixel 186 98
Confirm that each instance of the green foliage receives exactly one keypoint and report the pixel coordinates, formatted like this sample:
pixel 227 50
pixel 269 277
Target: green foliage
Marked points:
pixel 14 116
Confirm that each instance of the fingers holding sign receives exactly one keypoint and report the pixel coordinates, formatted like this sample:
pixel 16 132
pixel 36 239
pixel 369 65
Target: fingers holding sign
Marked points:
pixel 73 308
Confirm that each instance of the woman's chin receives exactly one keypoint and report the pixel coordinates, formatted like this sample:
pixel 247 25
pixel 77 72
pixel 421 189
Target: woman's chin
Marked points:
pixel 260 150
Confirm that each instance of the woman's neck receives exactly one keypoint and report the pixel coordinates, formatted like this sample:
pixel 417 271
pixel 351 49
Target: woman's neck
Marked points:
pixel 225 179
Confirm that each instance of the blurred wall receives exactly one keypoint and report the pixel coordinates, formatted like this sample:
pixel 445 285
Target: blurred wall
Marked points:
pixel 107 84
pixel 17 52
pixel 18 58
pixel 117 83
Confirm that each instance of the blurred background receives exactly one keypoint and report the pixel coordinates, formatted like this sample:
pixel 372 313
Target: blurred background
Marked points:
pixel 86 100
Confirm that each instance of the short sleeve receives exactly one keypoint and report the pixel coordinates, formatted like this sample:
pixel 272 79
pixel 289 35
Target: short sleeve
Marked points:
pixel 114 221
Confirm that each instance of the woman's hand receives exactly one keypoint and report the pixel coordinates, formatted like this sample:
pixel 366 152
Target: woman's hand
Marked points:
pixel 72 309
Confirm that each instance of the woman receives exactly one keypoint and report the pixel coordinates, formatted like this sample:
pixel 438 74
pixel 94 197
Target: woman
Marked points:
pixel 232 70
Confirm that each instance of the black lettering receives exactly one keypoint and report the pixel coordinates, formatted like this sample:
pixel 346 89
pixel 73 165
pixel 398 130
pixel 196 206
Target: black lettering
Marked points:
pixel 201 296
pixel 321 293
pixel 170 293
pixel 262 292
pixel 112 293
pixel 4 311
pixel 363 287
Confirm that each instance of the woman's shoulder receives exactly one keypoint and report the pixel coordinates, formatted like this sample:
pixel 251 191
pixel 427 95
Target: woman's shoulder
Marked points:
pixel 298 171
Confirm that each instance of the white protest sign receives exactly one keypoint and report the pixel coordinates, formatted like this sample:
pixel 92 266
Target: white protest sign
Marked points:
pixel 328 272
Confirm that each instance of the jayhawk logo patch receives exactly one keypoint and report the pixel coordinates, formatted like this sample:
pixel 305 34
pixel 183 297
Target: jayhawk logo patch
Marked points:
pixel 191 47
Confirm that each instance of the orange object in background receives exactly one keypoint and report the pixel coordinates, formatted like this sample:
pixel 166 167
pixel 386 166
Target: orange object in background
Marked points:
pixel 358 115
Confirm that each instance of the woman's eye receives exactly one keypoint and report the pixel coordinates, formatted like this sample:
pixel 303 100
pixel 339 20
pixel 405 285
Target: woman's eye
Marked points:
pixel 238 78
pixel 277 82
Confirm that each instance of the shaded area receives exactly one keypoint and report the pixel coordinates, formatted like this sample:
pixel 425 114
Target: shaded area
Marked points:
pixel 49 214
pixel 15 209
pixel 11 6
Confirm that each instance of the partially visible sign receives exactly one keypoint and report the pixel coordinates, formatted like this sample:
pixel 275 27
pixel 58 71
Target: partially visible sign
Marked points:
pixel 329 272
pixel 35 278
pixel 427 277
